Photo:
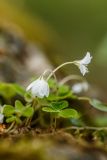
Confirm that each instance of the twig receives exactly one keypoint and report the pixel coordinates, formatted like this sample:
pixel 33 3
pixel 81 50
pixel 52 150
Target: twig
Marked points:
pixel 84 128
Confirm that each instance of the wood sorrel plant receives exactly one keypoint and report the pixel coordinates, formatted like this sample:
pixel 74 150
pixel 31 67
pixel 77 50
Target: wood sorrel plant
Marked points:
pixel 41 94
pixel 40 89
pixel 45 100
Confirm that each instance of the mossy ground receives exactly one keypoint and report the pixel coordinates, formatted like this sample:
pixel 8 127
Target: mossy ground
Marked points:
pixel 37 144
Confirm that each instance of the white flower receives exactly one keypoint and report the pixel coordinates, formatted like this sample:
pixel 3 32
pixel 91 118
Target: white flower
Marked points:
pixel 80 87
pixel 1 118
pixel 39 88
pixel 82 64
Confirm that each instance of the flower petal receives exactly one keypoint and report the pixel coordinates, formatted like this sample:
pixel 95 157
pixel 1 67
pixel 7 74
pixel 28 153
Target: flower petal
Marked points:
pixel 87 59
pixel 83 69
pixel 31 85
pixel 39 88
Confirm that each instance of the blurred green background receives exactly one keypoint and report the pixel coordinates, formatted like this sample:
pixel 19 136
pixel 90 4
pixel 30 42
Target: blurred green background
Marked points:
pixel 66 30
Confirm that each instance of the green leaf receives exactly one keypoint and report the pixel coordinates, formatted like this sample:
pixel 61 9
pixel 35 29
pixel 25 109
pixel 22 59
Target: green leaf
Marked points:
pixel 68 113
pixel 28 112
pixel 18 106
pixel 8 110
pixel 63 90
pixel 49 109
pixel 11 119
pixel 98 105
pixel 59 105
pixel 19 89
pixel 56 106
pixel 7 90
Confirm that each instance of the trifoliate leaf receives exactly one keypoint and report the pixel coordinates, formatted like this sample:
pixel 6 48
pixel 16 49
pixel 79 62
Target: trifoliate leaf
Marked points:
pixel 11 119
pixel 56 106
pixel 8 110
pixel 68 113
pixel 98 105
pixel 59 105
pixel 28 112
pixel 18 106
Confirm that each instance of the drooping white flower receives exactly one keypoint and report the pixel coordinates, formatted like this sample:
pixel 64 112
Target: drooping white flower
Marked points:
pixel 80 87
pixel 82 64
pixel 1 118
pixel 39 88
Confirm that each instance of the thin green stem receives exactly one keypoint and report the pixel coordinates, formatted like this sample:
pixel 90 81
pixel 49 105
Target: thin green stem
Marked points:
pixel 34 104
pixel 10 127
pixel 48 70
pixel 60 66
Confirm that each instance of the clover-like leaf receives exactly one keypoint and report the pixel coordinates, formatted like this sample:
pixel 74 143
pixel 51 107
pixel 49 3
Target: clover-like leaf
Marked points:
pixel 56 106
pixel 11 119
pixel 8 110
pixel 68 113
pixel 59 105
pixel 18 106
pixel 28 111
pixel 98 105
